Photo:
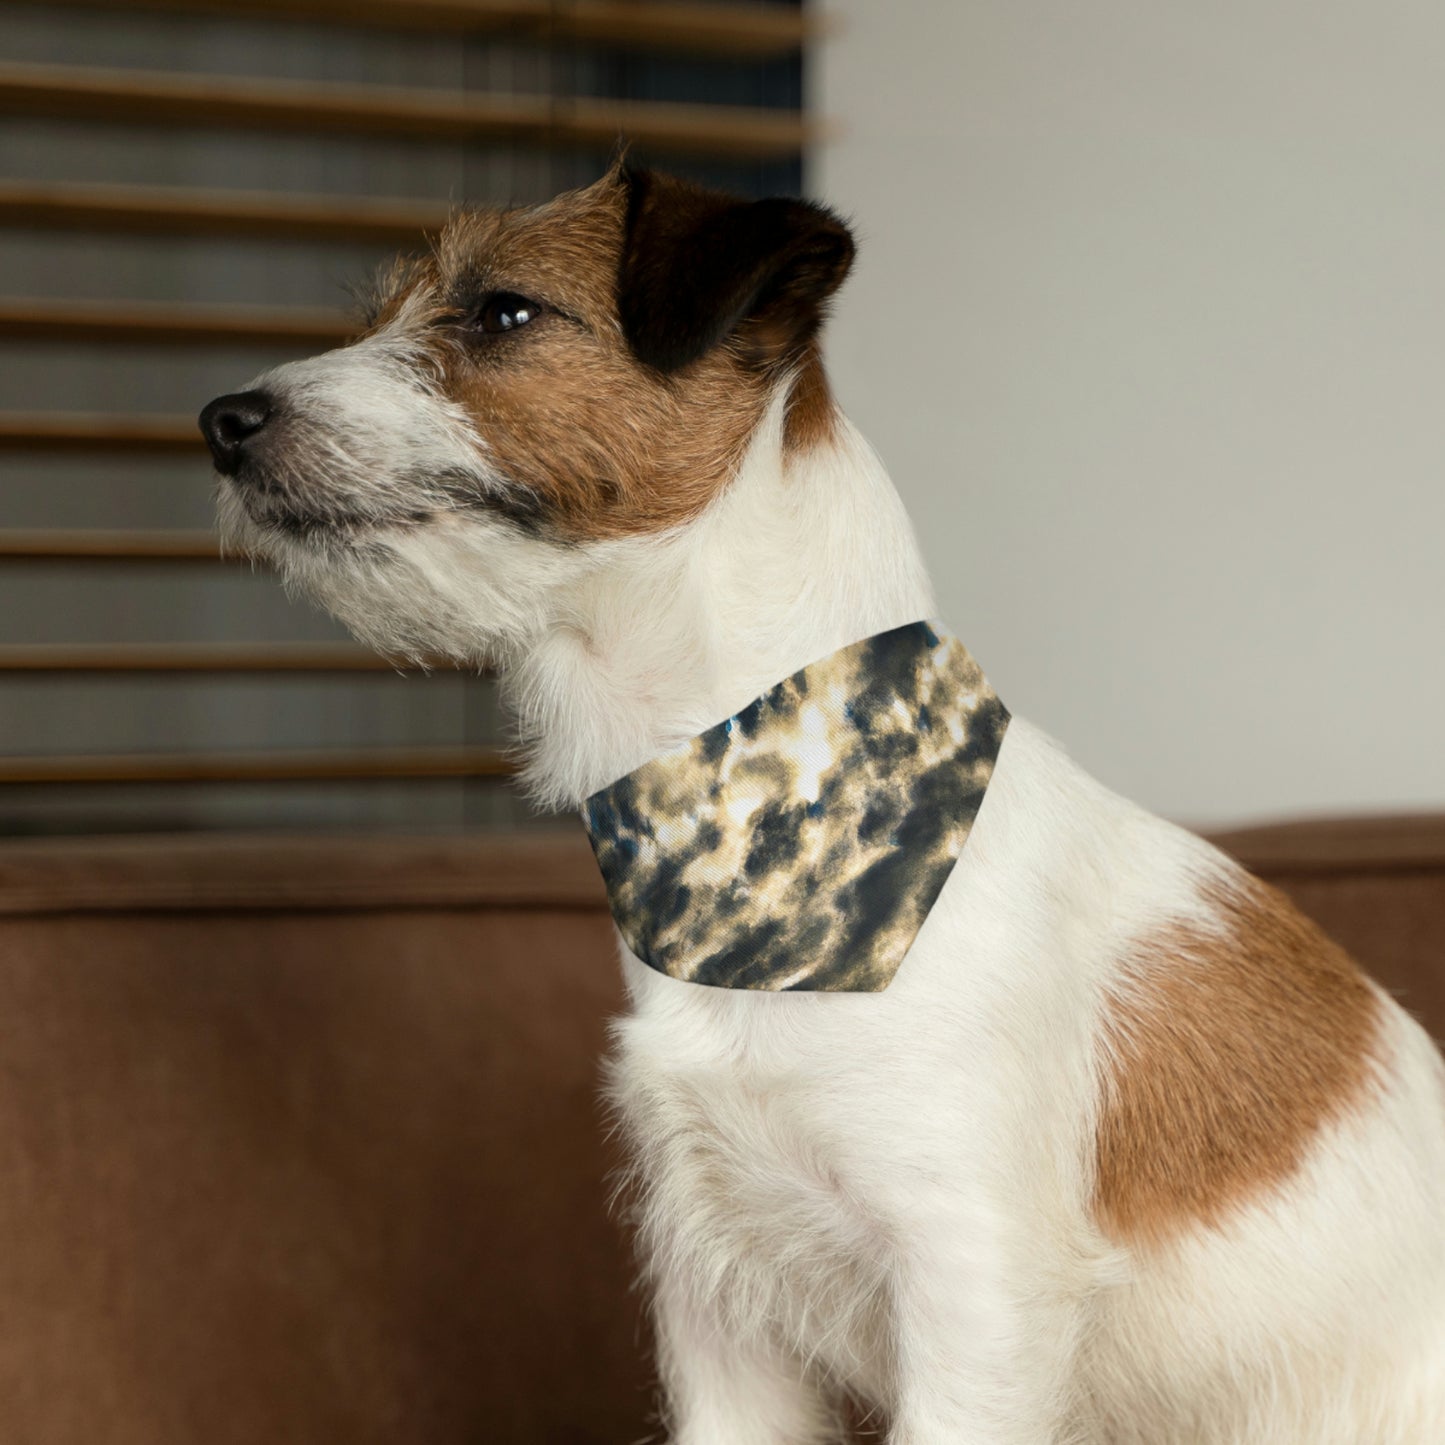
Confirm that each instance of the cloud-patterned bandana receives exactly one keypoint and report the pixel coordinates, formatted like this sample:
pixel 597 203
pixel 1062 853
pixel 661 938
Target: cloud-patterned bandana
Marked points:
pixel 801 843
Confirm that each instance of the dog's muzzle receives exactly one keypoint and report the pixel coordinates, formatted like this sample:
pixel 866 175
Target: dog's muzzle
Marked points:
pixel 231 424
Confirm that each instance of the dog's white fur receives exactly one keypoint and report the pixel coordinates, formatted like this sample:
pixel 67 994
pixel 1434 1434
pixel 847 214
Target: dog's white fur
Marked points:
pixel 891 1193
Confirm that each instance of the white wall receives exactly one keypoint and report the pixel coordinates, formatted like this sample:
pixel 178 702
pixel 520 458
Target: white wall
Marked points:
pixel 1149 324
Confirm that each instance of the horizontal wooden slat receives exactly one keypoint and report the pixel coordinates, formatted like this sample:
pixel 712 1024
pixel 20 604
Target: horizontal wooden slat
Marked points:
pixel 171 210
pixel 357 765
pixel 170 324
pixel 108 546
pixel 704 29
pixel 215 101
pixel 178 657
pixel 94 431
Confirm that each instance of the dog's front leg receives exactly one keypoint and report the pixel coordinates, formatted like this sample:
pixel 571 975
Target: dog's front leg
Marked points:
pixel 723 1389
pixel 985 1352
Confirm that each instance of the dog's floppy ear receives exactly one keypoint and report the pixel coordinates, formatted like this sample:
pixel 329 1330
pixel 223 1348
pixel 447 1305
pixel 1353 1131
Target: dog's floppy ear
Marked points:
pixel 699 266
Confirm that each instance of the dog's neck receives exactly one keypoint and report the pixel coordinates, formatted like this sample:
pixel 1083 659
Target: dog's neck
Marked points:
pixel 803 554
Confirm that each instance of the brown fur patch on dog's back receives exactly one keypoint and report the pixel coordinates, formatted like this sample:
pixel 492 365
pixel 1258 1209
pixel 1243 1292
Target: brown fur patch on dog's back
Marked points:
pixel 1228 1051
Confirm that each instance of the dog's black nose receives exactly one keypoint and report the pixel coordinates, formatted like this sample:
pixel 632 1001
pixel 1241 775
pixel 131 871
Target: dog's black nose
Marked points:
pixel 229 422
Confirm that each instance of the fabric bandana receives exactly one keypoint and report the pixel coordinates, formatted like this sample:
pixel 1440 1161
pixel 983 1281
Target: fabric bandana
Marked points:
pixel 801 843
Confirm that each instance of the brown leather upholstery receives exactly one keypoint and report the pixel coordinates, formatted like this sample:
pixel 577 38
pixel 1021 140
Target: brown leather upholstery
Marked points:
pixel 299 1141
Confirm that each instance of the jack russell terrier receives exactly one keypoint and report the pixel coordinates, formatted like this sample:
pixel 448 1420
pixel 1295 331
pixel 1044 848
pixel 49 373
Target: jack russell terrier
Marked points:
pixel 955 1085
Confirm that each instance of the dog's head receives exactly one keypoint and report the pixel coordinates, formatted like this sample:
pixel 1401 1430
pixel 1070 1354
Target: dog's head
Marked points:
pixel 546 382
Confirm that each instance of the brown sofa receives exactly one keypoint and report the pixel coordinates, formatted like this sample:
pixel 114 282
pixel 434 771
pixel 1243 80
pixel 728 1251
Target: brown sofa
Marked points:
pixel 299 1140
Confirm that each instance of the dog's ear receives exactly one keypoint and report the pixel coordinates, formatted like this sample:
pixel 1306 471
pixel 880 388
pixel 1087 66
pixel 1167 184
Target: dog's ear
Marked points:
pixel 699 266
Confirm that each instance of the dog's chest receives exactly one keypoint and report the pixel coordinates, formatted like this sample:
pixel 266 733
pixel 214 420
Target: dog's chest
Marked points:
pixel 749 1183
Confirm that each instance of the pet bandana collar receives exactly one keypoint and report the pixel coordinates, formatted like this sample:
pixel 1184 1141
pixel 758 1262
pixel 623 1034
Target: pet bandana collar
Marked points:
pixel 801 843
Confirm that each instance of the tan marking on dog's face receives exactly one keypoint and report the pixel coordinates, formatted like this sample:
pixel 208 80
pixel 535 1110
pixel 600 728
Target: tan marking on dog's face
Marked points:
pixel 1227 1055
pixel 598 443
pixel 812 416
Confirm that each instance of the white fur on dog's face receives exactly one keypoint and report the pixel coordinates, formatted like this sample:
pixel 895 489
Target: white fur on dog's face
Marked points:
pixel 372 478
pixel 374 501
pixel 432 482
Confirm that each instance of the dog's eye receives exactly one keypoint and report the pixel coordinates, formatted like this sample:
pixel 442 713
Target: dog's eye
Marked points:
pixel 505 311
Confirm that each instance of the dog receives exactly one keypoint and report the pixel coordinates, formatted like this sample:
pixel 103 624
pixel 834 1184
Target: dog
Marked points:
pixel 1126 1152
